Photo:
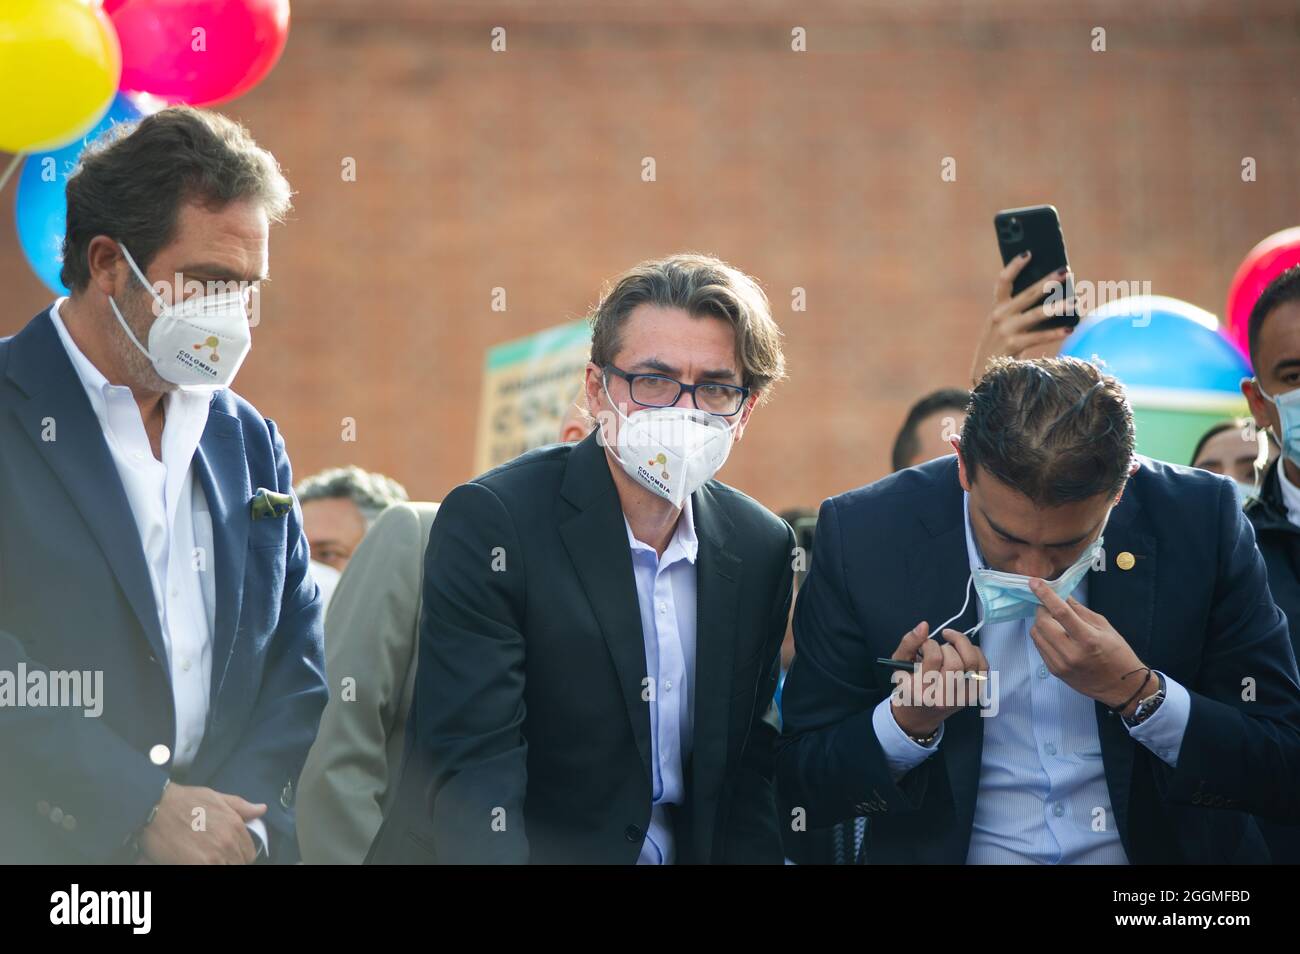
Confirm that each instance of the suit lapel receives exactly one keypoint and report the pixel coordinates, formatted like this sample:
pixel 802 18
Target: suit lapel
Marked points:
pixel 219 463
pixel 596 540
pixel 79 456
pixel 717 581
pixel 940 578
pixel 1126 597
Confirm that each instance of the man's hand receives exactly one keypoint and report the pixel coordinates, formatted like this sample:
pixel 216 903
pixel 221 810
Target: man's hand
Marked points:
pixel 1007 329
pixel 1083 650
pixel 170 840
pixel 947 684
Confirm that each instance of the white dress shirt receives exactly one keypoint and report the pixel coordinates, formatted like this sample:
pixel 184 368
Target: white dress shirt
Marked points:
pixel 1042 788
pixel 666 593
pixel 175 525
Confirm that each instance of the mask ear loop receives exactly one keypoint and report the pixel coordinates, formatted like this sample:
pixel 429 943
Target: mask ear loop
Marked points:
pixel 970 632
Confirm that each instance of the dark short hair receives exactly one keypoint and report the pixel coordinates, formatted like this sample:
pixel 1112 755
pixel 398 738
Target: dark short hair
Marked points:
pixel 1280 291
pixel 131 182
pixel 907 443
pixel 1054 429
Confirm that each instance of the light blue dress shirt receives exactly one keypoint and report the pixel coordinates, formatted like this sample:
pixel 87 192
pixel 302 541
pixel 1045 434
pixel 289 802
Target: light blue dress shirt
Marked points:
pixel 1042 791
pixel 666 592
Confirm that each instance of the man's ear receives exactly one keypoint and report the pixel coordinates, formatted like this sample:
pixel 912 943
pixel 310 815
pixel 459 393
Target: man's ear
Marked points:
pixel 962 476
pixel 1258 403
pixel 747 409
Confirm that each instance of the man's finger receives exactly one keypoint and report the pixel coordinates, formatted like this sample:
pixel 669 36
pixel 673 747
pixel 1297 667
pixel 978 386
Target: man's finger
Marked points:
pixel 246 810
pixel 970 656
pixel 1074 627
pixel 911 642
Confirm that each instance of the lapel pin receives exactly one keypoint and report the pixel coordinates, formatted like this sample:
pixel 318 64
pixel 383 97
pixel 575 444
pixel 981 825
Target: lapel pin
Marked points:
pixel 1125 561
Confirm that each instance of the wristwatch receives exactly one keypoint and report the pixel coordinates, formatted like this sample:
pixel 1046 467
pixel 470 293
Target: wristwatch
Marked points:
pixel 1147 706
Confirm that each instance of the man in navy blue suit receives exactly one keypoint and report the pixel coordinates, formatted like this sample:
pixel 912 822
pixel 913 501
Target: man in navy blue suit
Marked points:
pixel 1133 709
pixel 161 670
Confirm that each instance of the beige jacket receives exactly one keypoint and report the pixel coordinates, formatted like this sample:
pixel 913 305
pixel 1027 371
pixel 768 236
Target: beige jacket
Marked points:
pixel 371 638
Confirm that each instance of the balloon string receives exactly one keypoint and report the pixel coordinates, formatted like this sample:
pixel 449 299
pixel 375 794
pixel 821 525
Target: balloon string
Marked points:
pixel 9 170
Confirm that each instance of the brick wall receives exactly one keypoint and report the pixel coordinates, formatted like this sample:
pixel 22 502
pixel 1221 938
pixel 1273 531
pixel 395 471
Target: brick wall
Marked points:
pixel 819 170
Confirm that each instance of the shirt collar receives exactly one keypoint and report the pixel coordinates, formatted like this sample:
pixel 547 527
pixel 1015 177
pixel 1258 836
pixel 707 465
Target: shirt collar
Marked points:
pixel 192 404
pixel 684 543
pixel 92 379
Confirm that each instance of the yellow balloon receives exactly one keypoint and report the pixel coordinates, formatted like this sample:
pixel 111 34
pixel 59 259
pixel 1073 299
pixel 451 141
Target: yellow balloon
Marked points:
pixel 60 64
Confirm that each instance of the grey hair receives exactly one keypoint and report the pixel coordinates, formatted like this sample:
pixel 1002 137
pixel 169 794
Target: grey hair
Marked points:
pixel 370 492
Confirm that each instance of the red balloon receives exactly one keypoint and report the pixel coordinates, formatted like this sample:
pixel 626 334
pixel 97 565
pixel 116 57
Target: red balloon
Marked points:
pixel 1267 260
pixel 199 51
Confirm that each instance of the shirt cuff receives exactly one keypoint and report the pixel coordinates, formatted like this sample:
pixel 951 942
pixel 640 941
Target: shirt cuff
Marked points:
pixel 902 752
pixel 1163 732
pixel 257 828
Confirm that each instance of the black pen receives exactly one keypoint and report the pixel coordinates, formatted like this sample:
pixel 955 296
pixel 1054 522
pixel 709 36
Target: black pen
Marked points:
pixel 903 664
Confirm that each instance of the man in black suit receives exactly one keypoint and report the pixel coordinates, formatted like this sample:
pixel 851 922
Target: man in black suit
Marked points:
pixel 1134 710
pixel 601 625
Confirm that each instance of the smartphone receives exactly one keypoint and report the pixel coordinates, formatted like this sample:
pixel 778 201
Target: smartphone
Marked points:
pixel 1036 228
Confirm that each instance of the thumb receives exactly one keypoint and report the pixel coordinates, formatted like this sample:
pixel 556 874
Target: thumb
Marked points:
pixel 912 642
pixel 246 810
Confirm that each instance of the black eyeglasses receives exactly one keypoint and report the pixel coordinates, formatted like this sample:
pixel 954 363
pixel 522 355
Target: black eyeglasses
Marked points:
pixel 656 390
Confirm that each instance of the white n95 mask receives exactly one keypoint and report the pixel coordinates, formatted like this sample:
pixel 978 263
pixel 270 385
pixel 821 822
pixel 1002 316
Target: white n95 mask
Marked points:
pixel 197 344
pixel 671 451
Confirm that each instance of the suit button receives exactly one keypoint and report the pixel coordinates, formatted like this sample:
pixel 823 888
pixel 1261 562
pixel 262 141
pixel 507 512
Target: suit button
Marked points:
pixel 56 814
pixel 160 754
pixel 632 833
pixel 43 808
pixel 69 823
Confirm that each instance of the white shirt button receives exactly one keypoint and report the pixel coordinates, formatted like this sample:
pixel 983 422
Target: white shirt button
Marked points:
pixel 663 607
pixel 1049 748
pixel 668 685
pixel 1042 672
pixel 185 665
pixel 1058 810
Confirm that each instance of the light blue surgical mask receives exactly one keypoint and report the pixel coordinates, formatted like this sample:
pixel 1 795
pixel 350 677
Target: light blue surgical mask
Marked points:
pixel 1245 491
pixel 1007 596
pixel 1288 412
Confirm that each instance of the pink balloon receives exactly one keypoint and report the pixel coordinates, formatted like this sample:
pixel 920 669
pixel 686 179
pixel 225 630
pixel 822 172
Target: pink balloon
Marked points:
pixel 199 51
pixel 1263 263
pixel 111 5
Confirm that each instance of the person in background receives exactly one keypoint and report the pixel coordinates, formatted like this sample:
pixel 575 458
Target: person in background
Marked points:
pixel 1274 395
pixel 1009 329
pixel 576 423
pixel 602 621
pixel 338 507
pixel 930 424
pixel 148 530
pixel 371 634
pixel 1236 449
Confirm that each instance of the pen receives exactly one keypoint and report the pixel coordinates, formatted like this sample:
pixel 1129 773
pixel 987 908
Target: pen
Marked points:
pixel 903 664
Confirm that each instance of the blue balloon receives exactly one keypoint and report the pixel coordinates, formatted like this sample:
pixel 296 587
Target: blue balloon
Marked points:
pixel 41 207
pixel 1154 342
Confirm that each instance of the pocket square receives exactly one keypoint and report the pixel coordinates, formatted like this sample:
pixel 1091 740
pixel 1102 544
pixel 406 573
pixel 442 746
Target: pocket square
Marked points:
pixel 268 503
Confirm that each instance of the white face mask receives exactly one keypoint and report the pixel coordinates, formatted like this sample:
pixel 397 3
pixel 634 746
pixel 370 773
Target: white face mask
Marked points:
pixel 671 451
pixel 327 578
pixel 197 344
